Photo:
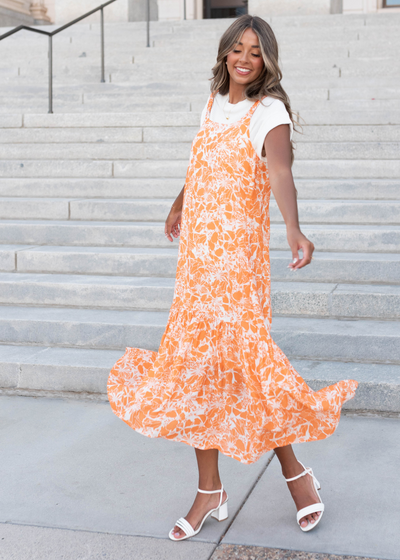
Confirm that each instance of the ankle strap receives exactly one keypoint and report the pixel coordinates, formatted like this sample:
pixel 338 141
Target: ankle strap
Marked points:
pixel 307 470
pixel 211 491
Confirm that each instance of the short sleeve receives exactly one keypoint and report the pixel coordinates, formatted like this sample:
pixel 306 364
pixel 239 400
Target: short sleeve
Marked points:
pixel 268 115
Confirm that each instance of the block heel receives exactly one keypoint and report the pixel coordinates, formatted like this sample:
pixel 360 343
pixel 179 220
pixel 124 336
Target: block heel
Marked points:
pixel 221 513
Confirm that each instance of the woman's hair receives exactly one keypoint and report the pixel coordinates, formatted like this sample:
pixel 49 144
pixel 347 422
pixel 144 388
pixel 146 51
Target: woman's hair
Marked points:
pixel 269 81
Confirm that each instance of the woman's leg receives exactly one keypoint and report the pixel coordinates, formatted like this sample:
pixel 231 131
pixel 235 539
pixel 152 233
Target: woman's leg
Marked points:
pixel 302 489
pixel 207 462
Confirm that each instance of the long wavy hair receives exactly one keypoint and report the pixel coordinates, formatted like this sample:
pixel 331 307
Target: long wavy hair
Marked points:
pixel 269 81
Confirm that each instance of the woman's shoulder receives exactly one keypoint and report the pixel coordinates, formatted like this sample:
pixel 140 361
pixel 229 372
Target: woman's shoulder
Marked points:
pixel 271 105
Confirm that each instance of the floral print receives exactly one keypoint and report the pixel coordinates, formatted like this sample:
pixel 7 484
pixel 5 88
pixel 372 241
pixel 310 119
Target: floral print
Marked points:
pixel 219 380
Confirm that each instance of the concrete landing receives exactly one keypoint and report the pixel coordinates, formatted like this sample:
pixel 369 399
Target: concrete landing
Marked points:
pixel 77 479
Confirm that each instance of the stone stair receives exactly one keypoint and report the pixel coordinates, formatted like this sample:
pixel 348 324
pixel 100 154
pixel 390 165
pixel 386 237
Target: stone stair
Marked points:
pixel 85 269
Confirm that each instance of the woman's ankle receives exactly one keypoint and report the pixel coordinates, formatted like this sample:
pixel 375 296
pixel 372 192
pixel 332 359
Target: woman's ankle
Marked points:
pixel 293 469
pixel 210 484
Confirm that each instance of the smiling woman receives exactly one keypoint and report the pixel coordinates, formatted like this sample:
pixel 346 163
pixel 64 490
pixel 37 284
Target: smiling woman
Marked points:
pixel 219 382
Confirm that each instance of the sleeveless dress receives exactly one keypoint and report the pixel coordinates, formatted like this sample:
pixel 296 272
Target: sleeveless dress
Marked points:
pixel 218 380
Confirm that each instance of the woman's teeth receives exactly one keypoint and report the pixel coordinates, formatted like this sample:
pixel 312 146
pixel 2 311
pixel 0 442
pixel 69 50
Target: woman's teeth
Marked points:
pixel 243 70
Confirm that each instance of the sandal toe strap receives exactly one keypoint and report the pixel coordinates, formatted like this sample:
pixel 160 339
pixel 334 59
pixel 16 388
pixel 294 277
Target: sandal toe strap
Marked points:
pixel 314 508
pixel 185 526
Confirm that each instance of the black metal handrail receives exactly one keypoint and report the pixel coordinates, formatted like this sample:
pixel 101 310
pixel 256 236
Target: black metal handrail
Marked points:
pixel 50 35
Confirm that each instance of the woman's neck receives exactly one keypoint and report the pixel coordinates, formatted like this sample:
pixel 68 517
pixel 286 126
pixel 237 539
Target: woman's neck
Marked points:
pixel 236 93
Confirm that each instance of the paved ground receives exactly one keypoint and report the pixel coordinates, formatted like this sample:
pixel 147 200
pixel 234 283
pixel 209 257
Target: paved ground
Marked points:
pixel 78 484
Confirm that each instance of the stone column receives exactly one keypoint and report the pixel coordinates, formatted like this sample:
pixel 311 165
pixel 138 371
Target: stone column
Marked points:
pixel 39 10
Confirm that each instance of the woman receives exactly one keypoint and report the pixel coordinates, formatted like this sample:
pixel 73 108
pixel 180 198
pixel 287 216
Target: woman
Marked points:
pixel 218 381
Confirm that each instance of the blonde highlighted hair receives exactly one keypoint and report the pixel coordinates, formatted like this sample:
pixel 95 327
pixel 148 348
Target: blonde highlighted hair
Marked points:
pixel 269 81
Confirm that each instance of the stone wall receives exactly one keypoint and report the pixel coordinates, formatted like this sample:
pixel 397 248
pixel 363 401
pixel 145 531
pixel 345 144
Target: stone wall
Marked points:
pixel 15 12
pixel 66 11
pixel 11 18
pixel 264 8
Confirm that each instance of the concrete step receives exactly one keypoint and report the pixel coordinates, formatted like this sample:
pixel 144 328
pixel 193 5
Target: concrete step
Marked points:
pixel 49 168
pixel 347 134
pixel 376 92
pixel 329 169
pixel 120 120
pixel 41 368
pixel 369 137
pixel 326 117
pixel 38 368
pixel 156 210
pixel 132 188
pixel 181 150
pixel 310 211
pixel 151 293
pixel 337 238
pixel 177 119
pixel 26 97
pixel 374 268
pixel 40 136
pixel 101 151
pixel 346 340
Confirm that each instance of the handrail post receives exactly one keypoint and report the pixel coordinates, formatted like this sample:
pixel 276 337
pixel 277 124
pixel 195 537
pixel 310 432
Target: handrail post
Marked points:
pixel 50 73
pixel 148 23
pixel 184 9
pixel 102 45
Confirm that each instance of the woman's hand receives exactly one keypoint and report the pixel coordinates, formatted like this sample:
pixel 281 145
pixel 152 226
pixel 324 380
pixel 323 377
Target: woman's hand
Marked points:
pixel 297 241
pixel 173 224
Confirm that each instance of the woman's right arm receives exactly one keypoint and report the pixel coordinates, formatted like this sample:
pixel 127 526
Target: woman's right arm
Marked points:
pixel 173 221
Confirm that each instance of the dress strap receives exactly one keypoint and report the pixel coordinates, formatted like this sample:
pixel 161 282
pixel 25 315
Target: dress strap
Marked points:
pixel 254 107
pixel 210 103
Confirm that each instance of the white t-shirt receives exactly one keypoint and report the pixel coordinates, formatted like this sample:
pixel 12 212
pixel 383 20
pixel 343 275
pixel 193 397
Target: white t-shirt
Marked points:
pixel 269 114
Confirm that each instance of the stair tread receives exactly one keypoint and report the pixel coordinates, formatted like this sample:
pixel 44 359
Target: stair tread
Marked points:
pixel 350 327
pixel 173 251
pixel 104 359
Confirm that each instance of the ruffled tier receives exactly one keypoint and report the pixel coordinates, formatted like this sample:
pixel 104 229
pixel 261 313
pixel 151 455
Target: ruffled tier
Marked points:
pixel 216 384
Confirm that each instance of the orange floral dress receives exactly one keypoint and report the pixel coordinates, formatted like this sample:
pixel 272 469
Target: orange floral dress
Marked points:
pixel 218 380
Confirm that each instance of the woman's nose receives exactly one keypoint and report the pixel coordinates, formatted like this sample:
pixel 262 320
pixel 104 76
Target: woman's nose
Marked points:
pixel 245 57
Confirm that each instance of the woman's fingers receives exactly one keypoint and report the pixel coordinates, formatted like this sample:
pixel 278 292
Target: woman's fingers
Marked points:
pixel 307 248
pixel 295 255
pixel 172 229
pixel 307 255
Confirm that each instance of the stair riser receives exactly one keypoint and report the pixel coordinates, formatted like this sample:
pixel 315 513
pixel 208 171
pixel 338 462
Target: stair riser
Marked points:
pixel 81 335
pixel 321 270
pixel 304 345
pixel 384 397
pixel 100 263
pixel 180 134
pixel 309 212
pixel 315 212
pixel 181 151
pixel 318 300
pixel 347 118
pixel 63 234
pixel 324 99
pixel 325 189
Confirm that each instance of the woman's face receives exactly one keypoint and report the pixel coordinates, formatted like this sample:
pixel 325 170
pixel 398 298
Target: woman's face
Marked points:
pixel 245 62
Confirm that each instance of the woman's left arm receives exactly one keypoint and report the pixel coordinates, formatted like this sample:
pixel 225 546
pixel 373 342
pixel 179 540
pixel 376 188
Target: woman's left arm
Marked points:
pixel 278 152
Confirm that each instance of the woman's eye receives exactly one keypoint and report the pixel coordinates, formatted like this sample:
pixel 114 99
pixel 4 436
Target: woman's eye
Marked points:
pixel 235 51
pixel 257 55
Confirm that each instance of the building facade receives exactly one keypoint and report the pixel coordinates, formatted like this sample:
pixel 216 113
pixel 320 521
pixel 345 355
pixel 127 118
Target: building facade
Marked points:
pixel 16 12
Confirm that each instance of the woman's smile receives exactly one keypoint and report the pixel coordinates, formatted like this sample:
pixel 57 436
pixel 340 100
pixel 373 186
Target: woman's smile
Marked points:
pixel 243 71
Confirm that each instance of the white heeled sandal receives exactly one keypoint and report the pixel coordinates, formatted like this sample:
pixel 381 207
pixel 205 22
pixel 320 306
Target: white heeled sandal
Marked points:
pixel 220 513
pixel 314 508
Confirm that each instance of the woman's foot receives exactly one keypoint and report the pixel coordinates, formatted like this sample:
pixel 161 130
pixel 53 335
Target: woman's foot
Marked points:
pixel 303 493
pixel 202 504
